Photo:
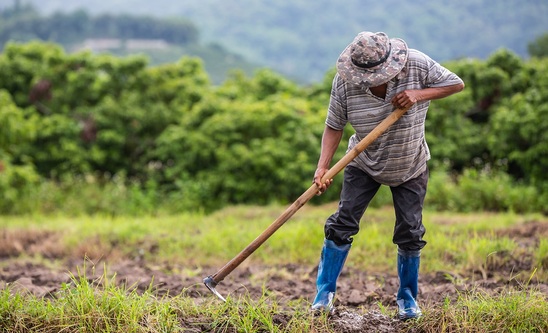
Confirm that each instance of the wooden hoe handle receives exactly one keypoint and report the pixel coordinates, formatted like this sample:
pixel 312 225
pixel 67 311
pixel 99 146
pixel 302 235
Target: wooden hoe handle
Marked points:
pixel 212 280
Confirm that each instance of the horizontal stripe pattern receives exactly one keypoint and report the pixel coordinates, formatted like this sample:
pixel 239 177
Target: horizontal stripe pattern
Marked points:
pixel 401 152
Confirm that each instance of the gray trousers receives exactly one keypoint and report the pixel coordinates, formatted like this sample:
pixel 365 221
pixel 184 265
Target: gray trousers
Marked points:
pixel 357 192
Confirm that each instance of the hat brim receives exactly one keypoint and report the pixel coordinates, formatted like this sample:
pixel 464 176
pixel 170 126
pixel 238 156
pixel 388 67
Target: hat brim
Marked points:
pixel 375 76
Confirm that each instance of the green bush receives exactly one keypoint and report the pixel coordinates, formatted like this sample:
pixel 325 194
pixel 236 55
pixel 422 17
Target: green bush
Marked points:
pixel 481 190
pixel 88 133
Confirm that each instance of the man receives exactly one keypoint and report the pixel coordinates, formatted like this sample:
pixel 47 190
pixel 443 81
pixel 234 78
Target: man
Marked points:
pixel 375 75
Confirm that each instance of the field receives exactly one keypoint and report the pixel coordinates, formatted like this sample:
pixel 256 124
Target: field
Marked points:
pixel 480 272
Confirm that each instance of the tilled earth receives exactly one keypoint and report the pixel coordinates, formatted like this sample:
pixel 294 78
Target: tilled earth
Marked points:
pixel 360 296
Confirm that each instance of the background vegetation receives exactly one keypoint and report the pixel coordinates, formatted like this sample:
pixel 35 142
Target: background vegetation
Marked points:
pixel 86 133
pixel 88 142
pixel 301 39
pixel 161 40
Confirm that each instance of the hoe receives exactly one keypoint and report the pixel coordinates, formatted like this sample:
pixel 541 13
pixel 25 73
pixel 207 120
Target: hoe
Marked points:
pixel 213 280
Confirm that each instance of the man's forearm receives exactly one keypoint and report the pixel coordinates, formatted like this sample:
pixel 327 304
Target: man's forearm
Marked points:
pixel 330 142
pixel 407 98
pixel 429 94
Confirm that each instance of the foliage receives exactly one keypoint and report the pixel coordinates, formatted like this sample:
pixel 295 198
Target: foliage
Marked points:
pixel 481 190
pixel 499 120
pixel 519 131
pixel 297 38
pixel 117 134
pixel 302 39
pixel 24 23
pixel 539 47
pixel 252 152
pixel 16 179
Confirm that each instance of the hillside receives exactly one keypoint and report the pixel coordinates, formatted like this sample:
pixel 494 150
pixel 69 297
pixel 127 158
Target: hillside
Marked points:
pixel 161 40
pixel 302 39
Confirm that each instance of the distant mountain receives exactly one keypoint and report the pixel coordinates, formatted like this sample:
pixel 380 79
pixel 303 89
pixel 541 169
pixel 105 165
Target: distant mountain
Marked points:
pixel 302 38
pixel 162 40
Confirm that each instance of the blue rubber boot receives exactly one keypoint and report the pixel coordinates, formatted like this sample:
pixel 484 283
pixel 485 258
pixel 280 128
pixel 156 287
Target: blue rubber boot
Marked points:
pixel 408 272
pixel 330 267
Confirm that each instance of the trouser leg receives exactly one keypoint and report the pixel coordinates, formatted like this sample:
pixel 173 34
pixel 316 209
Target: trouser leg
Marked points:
pixel 357 192
pixel 408 205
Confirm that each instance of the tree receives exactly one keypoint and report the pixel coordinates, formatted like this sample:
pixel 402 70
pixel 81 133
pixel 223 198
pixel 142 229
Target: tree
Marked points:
pixel 519 128
pixel 539 47
pixel 17 174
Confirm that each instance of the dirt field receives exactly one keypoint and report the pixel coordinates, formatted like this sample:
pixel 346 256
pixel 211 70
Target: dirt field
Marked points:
pixel 359 293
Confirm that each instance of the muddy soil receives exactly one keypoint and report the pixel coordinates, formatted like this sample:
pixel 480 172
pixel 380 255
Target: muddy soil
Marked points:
pixel 360 297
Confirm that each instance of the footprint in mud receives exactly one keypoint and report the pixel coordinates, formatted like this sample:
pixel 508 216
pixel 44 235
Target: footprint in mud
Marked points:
pixel 349 321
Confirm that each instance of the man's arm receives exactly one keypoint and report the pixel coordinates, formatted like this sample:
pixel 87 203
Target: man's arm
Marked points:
pixel 330 142
pixel 407 98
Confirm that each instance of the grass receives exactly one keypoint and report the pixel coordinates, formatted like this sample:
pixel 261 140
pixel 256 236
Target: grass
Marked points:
pixel 83 308
pixel 509 311
pixel 464 240
pixel 460 244
pixel 541 256
pixel 100 306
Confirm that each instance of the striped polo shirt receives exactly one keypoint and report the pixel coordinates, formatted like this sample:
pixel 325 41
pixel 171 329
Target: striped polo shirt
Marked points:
pixel 401 153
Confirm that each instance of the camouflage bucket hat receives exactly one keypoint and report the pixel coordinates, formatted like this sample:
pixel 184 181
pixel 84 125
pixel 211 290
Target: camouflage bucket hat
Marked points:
pixel 372 59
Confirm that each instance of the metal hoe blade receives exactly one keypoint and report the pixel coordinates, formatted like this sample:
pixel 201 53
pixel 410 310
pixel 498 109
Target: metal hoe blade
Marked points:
pixel 211 284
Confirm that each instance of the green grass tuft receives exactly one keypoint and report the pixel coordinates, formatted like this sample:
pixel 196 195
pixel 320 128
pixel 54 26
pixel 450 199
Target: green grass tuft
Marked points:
pixel 510 311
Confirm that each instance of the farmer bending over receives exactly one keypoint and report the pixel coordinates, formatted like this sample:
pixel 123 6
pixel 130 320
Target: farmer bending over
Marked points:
pixel 375 75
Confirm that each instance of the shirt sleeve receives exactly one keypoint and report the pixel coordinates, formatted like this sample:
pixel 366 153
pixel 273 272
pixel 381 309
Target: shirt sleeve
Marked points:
pixel 337 112
pixel 439 76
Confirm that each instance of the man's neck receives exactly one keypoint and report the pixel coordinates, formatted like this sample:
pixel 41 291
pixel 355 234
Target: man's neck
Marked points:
pixel 379 91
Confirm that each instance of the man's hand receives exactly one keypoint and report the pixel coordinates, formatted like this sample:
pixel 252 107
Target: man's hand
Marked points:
pixel 318 178
pixel 406 99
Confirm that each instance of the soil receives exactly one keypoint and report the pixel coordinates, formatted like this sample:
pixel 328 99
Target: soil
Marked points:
pixel 362 297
